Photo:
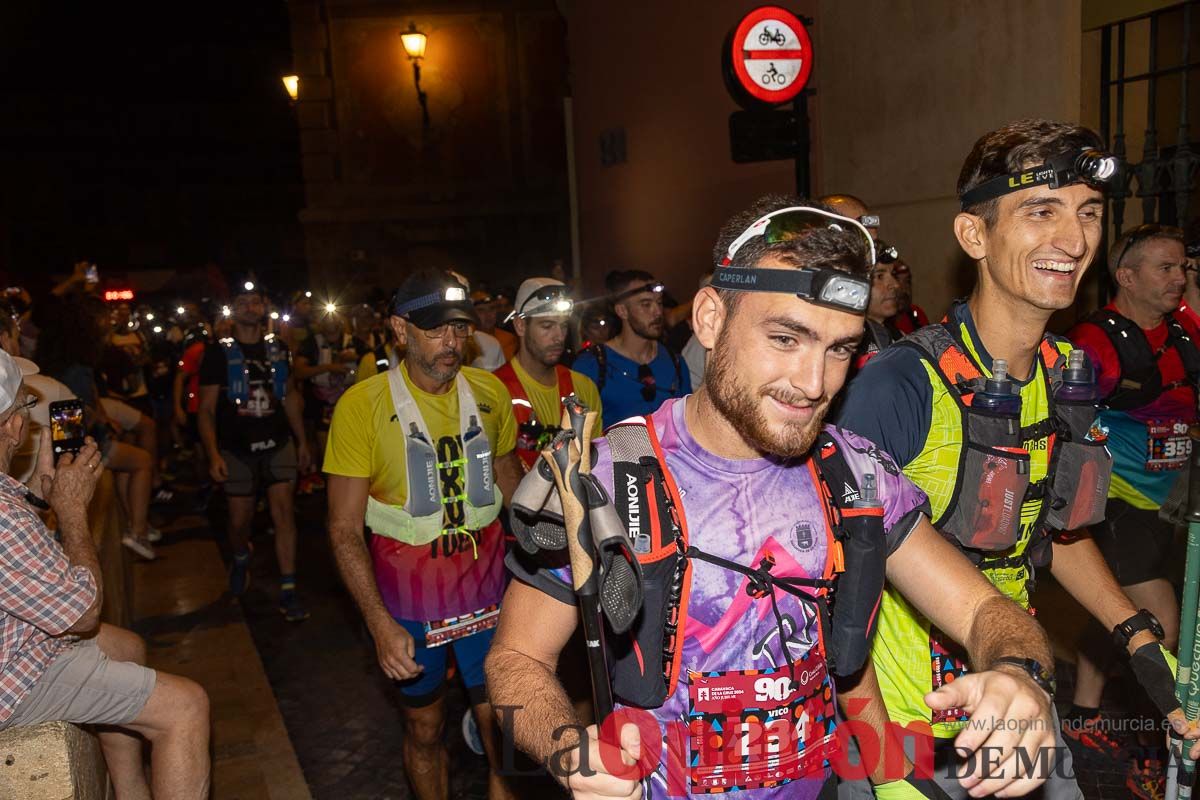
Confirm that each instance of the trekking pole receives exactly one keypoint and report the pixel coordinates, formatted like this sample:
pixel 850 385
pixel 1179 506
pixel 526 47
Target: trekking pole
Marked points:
pixel 1187 678
pixel 565 455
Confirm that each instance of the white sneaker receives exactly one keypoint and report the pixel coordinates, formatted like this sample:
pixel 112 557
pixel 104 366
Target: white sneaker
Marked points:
pixel 143 549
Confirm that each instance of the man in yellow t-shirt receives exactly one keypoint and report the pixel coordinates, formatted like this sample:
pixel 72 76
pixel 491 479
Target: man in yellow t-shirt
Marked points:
pixel 430 575
pixel 534 378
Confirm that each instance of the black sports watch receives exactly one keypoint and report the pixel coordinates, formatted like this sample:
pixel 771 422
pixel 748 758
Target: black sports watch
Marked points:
pixel 1141 621
pixel 1043 677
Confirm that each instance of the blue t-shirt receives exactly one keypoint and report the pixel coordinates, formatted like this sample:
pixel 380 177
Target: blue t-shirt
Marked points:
pixel 623 394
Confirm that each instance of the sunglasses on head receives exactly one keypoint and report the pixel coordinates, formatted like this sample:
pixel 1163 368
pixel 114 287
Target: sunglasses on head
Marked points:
pixel 791 223
pixel 550 298
pixel 1140 234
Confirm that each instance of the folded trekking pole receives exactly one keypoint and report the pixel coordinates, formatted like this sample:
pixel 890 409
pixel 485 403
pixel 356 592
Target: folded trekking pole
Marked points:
pixel 1187 679
pixel 569 457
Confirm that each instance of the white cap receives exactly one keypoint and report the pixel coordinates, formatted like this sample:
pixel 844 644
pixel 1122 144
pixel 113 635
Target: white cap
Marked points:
pixel 12 372
pixel 525 306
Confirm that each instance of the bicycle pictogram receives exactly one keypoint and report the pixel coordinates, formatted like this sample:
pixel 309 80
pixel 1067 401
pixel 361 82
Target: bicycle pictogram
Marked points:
pixel 773 75
pixel 766 36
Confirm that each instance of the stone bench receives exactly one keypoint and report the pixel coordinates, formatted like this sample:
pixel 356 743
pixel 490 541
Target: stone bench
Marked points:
pixel 53 761
pixel 58 760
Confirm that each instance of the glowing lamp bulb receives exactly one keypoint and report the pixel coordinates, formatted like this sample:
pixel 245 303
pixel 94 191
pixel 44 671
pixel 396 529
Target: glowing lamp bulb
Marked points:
pixel 291 84
pixel 308 294
pixel 225 312
pixel 149 317
pixel 248 286
pixel 287 317
pixel 330 308
pixel 158 328
pixel 180 310
pixel 274 315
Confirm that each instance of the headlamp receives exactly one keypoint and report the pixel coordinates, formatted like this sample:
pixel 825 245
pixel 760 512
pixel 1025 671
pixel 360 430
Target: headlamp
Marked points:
pixel 180 310
pixel 248 286
pixel 887 253
pixel 330 308
pixel 827 287
pixel 869 220
pixel 225 311
pixel 652 286
pixel 544 302
pixel 274 315
pixel 450 294
pixel 1096 168
pixel 455 294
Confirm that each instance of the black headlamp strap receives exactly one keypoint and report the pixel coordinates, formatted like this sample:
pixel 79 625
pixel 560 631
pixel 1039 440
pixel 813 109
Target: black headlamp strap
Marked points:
pixel 784 281
pixel 1044 175
pixel 649 286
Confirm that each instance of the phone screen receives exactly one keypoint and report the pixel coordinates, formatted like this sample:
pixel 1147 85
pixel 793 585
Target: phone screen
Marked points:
pixel 66 426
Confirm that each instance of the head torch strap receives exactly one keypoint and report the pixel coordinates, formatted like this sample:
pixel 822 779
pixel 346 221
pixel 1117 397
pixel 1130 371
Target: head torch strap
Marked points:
pixel 652 286
pixel 828 287
pixel 417 303
pixel 1092 167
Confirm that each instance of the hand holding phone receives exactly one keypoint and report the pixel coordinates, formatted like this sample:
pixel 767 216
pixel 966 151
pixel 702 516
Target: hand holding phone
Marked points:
pixel 67 430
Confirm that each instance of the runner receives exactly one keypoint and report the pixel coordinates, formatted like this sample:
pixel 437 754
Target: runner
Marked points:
pixel 429 576
pixel 633 370
pixel 740 491
pixel 251 428
pixel 1147 369
pixel 1032 220
pixel 879 333
pixel 910 317
pixel 326 363
pixel 535 379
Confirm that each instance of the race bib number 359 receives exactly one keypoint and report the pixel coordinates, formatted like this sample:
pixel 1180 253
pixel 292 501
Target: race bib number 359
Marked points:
pixel 1167 445
pixel 750 729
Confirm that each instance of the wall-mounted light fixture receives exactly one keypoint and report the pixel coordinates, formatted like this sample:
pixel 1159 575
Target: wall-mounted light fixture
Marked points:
pixel 414 45
pixel 292 84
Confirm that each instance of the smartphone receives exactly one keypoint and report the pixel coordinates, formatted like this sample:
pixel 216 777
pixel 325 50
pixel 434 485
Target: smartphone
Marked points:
pixel 93 274
pixel 66 427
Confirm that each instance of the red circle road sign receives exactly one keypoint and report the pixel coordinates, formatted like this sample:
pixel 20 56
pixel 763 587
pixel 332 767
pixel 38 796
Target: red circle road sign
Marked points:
pixel 772 54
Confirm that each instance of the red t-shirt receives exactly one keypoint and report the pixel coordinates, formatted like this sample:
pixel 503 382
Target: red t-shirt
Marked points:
pixel 1179 403
pixel 190 366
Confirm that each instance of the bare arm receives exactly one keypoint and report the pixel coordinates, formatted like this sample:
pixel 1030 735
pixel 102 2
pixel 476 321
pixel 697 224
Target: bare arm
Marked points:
pixel 293 407
pixel 860 699
pixel 304 370
pixel 520 671
pixel 394 646
pixel 69 493
pixel 177 394
pixel 1079 568
pixel 962 602
pixel 206 420
pixel 508 474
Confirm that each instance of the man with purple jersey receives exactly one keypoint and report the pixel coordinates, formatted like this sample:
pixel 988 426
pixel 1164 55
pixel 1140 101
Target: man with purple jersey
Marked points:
pixel 782 320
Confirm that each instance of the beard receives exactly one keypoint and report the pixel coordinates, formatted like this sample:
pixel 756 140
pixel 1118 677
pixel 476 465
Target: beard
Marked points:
pixel 432 365
pixel 740 405
pixel 648 330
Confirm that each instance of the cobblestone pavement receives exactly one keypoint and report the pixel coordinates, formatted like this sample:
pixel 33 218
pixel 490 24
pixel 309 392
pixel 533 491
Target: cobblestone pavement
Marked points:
pixel 341 713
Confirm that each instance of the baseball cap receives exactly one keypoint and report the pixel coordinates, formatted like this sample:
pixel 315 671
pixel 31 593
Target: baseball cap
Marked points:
pixel 541 297
pixel 432 298
pixel 12 372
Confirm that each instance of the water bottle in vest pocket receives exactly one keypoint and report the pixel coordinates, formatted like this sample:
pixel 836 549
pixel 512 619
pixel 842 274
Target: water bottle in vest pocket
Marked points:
pixel 478 454
pixel 987 514
pixel 424 496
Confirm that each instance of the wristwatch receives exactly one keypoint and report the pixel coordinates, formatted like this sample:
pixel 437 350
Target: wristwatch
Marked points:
pixel 1141 621
pixel 1043 677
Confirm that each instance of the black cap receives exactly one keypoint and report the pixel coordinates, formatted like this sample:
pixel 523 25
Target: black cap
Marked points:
pixel 431 298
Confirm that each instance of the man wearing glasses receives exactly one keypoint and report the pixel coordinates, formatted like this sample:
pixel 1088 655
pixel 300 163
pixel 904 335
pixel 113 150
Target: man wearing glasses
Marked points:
pixel 421 456
pixel 1147 368
pixel 534 378
pixel 634 371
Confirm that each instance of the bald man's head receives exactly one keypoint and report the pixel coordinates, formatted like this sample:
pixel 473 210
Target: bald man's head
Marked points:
pixel 850 206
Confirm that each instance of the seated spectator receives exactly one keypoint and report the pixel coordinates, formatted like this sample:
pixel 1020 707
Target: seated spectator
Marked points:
pixel 72 331
pixel 57 660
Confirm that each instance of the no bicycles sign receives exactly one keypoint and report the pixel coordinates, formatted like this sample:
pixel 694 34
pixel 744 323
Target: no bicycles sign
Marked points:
pixel 772 55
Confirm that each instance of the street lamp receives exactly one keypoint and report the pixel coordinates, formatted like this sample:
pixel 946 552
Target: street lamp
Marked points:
pixel 414 45
pixel 292 84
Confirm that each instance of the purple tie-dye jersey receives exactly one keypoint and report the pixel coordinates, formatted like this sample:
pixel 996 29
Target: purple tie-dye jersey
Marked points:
pixel 739 510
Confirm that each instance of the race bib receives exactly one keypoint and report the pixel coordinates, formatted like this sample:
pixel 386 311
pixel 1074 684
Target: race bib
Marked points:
pixel 750 730
pixel 444 631
pixel 946 668
pixel 1167 445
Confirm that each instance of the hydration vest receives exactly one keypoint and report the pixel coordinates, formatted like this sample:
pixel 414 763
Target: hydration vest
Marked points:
pixel 600 351
pixel 647 655
pixel 992 480
pixel 325 356
pixel 239 375
pixel 1140 381
pixel 530 430
pixel 421 519
pixel 385 358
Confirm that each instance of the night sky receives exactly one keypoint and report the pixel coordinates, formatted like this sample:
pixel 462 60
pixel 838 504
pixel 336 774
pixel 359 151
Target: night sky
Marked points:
pixel 147 136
